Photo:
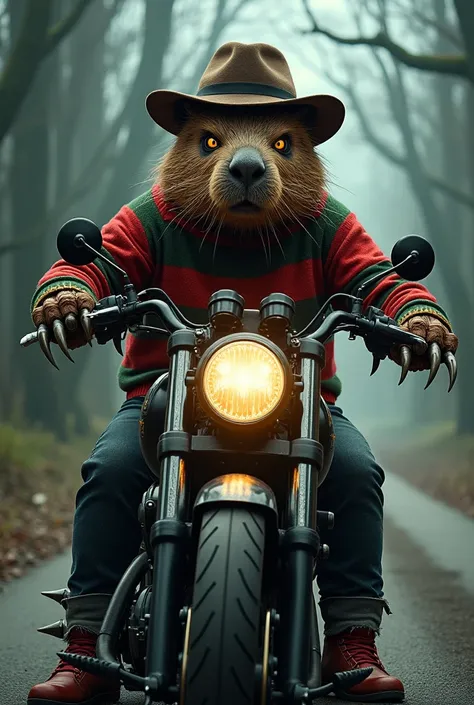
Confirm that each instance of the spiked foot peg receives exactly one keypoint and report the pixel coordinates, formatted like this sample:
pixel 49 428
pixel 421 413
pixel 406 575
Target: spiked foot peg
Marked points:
pixel 57 629
pixel 57 595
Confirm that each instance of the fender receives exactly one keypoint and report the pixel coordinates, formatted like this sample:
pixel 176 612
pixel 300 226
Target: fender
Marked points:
pixel 237 488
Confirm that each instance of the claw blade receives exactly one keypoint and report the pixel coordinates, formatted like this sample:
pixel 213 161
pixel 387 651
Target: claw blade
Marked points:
pixel 43 339
pixel 118 344
pixel 405 356
pixel 86 324
pixel 450 362
pixel 435 361
pixel 71 322
pixel 375 365
pixel 60 335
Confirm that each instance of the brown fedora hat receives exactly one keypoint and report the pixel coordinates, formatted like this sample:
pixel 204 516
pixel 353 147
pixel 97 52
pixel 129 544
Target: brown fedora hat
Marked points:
pixel 247 74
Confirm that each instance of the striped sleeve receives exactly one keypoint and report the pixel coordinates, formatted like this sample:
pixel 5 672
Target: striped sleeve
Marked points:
pixel 128 240
pixel 351 257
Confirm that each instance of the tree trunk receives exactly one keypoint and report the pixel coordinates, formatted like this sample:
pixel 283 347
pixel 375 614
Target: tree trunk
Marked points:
pixel 34 378
pixel 157 33
pixel 438 228
pixel 465 12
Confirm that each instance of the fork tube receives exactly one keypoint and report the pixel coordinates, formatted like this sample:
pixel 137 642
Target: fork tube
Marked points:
pixel 303 494
pixel 169 534
pixel 171 500
pixel 300 545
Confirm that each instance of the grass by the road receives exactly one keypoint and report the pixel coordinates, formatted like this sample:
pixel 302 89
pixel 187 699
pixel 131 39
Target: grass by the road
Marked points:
pixel 39 477
pixel 434 459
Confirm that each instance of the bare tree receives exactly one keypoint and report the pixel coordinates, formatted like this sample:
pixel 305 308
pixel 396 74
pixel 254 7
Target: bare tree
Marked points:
pixel 411 158
pixel 37 38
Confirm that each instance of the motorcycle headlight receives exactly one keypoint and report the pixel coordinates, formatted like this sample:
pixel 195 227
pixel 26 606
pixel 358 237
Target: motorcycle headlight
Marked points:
pixel 243 380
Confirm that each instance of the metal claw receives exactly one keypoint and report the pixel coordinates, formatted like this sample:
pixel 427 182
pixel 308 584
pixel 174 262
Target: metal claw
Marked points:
pixel 43 339
pixel 60 334
pixel 375 365
pixel 405 356
pixel 57 629
pixel 434 352
pixel 71 322
pixel 118 344
pixel 57 595
pixel 450 362
pixel 86 325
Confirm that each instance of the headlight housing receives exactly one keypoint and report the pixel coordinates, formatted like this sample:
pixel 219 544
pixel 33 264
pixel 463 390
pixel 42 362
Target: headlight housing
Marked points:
pixel 243 380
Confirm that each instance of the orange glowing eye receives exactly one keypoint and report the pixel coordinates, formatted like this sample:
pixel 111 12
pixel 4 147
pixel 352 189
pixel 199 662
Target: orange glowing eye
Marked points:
pixel 281 145
pixel 211 143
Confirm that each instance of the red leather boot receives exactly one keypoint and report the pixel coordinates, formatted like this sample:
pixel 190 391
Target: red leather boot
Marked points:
pixel 356 649
pixel 68 685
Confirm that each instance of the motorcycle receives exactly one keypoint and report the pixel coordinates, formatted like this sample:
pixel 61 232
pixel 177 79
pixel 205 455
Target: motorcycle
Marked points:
pixel 218 605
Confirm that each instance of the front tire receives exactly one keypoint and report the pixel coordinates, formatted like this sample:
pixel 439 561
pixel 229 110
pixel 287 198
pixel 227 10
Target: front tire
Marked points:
pixel 226 615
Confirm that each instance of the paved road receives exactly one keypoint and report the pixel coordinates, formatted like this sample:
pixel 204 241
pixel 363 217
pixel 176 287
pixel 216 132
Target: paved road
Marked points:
pixel 428 642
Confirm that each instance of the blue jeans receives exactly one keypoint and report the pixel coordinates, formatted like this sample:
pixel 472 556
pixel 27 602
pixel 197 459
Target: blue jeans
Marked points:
pixel 107 535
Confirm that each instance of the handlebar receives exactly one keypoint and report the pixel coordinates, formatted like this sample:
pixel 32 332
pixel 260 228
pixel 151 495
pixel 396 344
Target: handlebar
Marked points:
pixel 115 314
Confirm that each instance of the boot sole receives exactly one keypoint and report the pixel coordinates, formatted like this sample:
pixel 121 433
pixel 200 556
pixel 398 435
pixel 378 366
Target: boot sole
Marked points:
pixel 388 696
pixel 101 699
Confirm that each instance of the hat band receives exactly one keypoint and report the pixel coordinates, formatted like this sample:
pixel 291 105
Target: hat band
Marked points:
pixel 245 88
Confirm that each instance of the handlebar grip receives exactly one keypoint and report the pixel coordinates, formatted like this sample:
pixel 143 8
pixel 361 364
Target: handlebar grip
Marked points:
pixel 400 336
pixel 29 339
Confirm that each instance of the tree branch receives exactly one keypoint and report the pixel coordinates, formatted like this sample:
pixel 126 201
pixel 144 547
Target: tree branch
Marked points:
pixel 34 42
pixel 456 65
pixel 64 26
pixel 389 153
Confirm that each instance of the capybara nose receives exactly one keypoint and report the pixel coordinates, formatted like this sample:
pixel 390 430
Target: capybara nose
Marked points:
pixel 247 166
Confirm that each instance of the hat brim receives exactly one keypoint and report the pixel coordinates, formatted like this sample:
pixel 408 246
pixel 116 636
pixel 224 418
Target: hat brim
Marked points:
pixel 330 111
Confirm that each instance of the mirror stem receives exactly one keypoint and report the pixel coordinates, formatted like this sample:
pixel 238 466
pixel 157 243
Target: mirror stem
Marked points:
pixel 412 257
pixel 80 241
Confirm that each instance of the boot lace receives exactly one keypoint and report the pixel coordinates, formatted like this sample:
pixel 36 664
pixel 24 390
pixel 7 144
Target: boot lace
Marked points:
pixel 81 643
pixel 359 645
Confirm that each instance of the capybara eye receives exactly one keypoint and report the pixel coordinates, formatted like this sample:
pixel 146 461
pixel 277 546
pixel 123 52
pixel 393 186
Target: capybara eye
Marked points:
pixel 210 143
pixel 282 145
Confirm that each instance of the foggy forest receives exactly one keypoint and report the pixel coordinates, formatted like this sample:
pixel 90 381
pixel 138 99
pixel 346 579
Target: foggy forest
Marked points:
pixel 75 140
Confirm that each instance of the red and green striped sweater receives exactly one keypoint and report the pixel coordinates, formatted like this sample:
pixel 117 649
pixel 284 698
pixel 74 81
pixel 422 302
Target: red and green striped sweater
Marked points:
pixel 328 253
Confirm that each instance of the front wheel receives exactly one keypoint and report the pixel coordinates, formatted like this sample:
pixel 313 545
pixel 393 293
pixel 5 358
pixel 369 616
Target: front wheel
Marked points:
pixel 224 637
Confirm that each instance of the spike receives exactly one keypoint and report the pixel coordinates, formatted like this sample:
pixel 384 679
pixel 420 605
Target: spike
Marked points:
pixel 118 344
pixel 405 355
pixel 86 324
pixel 435 362
pixel 375 365
pixel 450 362
pixel 57 595
pixel 43 338
pixel 57 629
pixel 60 335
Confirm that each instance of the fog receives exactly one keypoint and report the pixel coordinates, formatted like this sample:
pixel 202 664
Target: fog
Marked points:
pixel 99 66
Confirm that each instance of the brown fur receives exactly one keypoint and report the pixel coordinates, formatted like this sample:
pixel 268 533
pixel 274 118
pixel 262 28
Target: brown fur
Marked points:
pixel 198 185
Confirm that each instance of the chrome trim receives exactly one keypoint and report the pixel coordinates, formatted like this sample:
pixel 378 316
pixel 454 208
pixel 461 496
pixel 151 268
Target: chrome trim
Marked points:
pixel 172 499
pixel 220 489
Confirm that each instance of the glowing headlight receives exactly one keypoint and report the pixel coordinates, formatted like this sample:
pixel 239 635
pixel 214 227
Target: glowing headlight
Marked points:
pixel 244 381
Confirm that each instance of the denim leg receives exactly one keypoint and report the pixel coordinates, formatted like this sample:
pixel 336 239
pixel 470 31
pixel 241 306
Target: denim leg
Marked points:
pixel 350 581
pixel 107 535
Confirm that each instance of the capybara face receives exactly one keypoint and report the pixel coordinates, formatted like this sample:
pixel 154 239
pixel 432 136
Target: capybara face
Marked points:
pixel 244 169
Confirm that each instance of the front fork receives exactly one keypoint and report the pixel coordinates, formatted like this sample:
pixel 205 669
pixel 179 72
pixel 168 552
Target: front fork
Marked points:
pixel 300 542
pixel 169 534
